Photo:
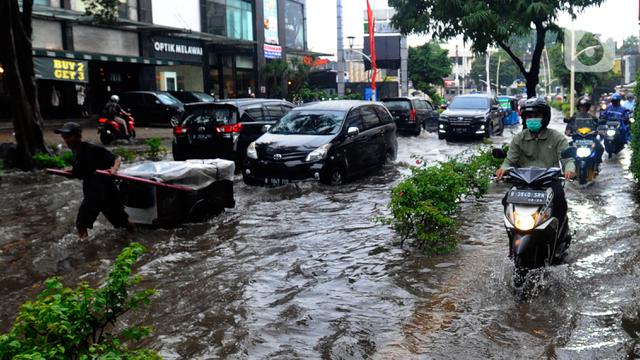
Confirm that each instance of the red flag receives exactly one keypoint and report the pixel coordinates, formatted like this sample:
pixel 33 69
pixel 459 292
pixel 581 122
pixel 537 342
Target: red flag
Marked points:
pixel 372 46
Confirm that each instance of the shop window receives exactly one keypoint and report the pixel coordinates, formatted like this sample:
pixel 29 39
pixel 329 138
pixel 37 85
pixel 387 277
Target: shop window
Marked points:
pixel 239 20
pixel 246 83
pixel 216 17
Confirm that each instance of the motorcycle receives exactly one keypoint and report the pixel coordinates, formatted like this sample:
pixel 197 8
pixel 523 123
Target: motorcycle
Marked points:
pixel 584 140
pixel 611 132
pixel 536 236
pixel 110 130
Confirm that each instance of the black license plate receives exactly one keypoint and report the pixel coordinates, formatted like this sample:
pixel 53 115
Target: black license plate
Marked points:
pixel 276 181
pixel 527 197
pixel 200 137
pixel 460 130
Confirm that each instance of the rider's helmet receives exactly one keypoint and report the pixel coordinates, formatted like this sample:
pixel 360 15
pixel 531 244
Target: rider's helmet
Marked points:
pixel 584 101
pixel 115 98
pixel 615 99
pixel 536 106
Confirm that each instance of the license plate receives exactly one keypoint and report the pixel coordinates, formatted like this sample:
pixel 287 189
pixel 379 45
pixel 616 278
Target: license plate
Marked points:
pixel 586 143
pixel 201 136
pixel 276 181
pixel 460 130
pixel 527 197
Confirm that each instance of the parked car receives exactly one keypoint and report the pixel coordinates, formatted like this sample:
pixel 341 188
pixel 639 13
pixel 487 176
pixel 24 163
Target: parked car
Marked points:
pixel 225 128
pixel 412 114
pixel 471 115
pixel 189 97
pixel 152 107
pixel 330 141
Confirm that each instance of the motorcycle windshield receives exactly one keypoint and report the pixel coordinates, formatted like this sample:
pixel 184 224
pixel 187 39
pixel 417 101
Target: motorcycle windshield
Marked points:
pixel 535 175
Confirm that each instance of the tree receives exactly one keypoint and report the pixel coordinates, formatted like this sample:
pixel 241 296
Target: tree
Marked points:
pixel 275 71
pixel 629 46
pixel 428 65
pixel 509 72
pixel 16 57
pixel 102 11
pixel 488 23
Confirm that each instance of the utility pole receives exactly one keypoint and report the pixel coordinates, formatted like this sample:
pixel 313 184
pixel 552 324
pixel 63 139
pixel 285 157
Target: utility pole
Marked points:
pixel 498 75
pixel 572 81
pixel 457 70
pixel 340 50
pixel 487 69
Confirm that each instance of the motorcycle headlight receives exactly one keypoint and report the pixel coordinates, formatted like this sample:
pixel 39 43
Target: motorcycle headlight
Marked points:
pixel 524 222
pixel 251 151
pixel 611 133
pixel 319 153
pixel 583 152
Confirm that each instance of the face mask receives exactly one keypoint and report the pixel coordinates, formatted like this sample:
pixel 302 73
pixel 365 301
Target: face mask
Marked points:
pixel 534 124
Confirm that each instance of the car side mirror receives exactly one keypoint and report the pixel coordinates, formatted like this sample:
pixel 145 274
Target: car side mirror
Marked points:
pixel 266 128
pixel 569 152
pixel 353 131
pixel 498 153
pixel 567 120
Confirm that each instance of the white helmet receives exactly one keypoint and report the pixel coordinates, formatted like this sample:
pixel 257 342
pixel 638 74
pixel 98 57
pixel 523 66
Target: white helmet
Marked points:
pixel 115 98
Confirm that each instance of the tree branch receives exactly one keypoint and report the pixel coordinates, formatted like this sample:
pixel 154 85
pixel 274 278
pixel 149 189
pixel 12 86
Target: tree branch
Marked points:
pixel 513 56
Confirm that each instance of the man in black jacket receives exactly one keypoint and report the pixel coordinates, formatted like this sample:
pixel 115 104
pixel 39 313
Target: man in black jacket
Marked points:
pixel 100 191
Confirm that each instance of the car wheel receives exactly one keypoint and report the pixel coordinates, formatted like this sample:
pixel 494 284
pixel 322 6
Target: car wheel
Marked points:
pixel 389 157
pixel 333 177
pixel 442 136
pixel 488 130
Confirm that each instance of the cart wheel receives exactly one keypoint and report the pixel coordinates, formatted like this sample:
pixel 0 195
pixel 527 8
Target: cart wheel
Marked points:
pixel 202 210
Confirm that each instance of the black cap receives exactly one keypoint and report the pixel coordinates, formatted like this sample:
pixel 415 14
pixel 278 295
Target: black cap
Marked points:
pixel 69 128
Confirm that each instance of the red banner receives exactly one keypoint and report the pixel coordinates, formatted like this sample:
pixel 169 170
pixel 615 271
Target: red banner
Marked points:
pixel 372 45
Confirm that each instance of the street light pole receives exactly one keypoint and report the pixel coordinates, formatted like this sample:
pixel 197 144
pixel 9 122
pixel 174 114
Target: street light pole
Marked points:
pixel 498 75
pixel 487 62
pixel 340 50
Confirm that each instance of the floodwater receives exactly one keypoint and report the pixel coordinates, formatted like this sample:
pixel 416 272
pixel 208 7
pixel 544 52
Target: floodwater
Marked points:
pixel 305 271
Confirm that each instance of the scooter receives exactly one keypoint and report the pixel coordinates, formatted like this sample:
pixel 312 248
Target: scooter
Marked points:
pixel 584 140
pixel 611 132
pixel 536 236
pixel 110 130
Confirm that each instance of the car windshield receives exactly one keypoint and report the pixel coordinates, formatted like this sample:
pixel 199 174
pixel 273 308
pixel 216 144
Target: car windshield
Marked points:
pixel 204 97
pixel 310 122
pixel 397 104
pixel 217 116
pixel 463 103
pixel 168 99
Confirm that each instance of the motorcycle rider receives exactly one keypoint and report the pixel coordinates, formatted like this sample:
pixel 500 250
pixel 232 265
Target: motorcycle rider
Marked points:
pixel 616 112
pixel 584 105
pixel 113 110
pixel 538 146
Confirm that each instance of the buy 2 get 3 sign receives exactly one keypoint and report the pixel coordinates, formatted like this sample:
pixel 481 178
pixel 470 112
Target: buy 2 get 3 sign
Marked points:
pixel 61 69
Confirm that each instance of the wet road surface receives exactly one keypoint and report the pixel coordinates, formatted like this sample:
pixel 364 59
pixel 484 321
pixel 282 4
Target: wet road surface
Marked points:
pixel 304 271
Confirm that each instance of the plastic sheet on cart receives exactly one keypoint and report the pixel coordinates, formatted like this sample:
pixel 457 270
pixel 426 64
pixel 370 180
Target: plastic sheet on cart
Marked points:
pixel 195 174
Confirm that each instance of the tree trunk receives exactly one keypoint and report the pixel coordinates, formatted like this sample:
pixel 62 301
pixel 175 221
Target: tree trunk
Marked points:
pixel 15 39
pixel 533 75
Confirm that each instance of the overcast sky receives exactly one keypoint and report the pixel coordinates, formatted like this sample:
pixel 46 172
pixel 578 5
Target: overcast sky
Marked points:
pixel 616 19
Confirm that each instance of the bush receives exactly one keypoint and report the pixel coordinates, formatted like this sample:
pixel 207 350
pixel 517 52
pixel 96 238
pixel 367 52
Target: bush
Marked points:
pixel 63 323
pixel 424 205
pixel 60 161
pixel 125 154
pixel 635 137
pixel 156 150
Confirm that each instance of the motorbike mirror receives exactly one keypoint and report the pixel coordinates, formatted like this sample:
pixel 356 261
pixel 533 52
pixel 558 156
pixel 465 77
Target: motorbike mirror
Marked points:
pixel 498 153
pixel 569 152
pixel 567 120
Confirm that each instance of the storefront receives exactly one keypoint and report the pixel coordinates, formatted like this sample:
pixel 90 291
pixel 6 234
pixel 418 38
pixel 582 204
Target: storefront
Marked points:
pixel 62 86
pixel 187 55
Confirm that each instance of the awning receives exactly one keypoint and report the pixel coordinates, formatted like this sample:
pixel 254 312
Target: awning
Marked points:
pixel 101 57
pixel 306 53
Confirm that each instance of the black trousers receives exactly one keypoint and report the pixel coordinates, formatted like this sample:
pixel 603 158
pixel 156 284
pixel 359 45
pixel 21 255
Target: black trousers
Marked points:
pixel 101 196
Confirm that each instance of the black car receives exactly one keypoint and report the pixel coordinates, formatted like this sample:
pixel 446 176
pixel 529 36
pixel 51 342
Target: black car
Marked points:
pixel 329 141
pixel 189 97
pixel 152 107
pixel 225 128
pixel 471 115
pixel 412 114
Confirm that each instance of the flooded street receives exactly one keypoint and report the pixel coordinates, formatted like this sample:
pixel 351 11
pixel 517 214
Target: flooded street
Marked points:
pixel 305 271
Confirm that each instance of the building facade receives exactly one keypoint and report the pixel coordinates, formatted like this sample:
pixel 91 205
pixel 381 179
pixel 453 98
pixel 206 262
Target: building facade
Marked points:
pixel 215 46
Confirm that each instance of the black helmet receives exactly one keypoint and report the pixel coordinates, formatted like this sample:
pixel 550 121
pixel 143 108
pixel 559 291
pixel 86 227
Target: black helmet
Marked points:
pixel 537 105
pixel 584 101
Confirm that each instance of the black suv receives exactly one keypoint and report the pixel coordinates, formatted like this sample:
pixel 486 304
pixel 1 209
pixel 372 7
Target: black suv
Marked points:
pixel 152 107
pixel 189 97
pixel 412 114
pixel 225 128
pixel 328 141
pixel 471 115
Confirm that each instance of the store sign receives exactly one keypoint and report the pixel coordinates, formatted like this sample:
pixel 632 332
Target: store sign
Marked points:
pixel 61 69
pixel 177 49
pixel 272 51
pixel 271 22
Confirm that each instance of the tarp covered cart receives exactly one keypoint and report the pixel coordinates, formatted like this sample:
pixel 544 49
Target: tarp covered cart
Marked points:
pixel 168 193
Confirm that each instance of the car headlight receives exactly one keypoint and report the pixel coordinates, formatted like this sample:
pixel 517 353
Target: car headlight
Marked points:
pixel 611 133
pixel 583 152
pixel 319 153
pixel 524 222
pixel 251 151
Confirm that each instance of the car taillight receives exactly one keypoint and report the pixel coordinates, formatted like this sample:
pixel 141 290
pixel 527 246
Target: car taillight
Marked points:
pixel 179 130
pixel 412 115
pixel 102 120
pixel 235 128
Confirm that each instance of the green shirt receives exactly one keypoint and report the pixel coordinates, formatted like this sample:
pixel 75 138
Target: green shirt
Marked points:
pixel 543 151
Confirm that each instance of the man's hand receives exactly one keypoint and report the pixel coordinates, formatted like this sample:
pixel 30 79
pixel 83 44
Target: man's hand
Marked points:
pixel 116 165
pixel 569 175
pixel 500 173
pixel 82 233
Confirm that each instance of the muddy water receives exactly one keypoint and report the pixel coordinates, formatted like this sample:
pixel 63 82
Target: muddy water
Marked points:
pixel 304 271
